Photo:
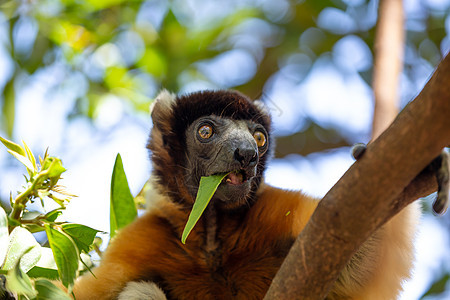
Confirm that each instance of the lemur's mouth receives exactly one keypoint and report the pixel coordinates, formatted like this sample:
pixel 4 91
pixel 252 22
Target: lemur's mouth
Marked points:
pixel 237 177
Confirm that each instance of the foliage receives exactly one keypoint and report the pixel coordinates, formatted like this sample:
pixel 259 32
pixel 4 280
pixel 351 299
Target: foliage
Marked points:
pixel 129 49
pixel 25 263
pixel 22 258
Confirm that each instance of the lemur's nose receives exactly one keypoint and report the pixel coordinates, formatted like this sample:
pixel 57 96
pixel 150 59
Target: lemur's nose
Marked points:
pixel 246 156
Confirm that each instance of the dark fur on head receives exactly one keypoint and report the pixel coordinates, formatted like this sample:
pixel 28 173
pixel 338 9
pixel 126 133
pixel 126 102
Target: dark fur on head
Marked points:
pixel 172 116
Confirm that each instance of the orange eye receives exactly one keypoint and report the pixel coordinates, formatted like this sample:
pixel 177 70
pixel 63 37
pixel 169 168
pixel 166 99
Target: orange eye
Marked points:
pixel 205 131
pixel 260 138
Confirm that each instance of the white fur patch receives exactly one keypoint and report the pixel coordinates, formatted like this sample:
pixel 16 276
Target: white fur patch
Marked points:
pixel 153 198
pixel 142 290
pixel 261 106
pixel 164 99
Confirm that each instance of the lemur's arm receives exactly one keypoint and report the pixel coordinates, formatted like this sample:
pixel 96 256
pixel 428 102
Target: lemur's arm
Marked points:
pixel 440 166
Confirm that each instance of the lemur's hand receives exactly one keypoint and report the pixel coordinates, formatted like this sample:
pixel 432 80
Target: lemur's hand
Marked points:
pixel 441 168
pixel 358 150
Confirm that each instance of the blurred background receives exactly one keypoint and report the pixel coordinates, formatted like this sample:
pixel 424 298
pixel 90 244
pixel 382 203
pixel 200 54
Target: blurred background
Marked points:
pixel 78 77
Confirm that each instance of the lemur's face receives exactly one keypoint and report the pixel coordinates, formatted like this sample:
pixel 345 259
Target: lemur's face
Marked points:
pixel 206 133
pixel 223 145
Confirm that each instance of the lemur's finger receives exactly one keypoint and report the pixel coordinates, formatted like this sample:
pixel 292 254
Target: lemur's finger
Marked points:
pixel 358 150
pixel 441 168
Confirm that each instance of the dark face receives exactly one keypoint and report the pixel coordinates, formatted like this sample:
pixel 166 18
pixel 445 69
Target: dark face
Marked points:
pixel 222 145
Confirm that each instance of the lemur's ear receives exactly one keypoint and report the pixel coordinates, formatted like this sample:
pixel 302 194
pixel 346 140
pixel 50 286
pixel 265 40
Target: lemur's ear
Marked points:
pixel 161 110
pixel 262 107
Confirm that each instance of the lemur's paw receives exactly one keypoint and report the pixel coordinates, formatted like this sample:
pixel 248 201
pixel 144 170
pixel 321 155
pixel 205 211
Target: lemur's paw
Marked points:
pixel 440 166
pixel 358 150
pixel 142 290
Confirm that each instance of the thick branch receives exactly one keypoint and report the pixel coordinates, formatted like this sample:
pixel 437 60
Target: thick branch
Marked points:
pixel 388 63
pixel 374 189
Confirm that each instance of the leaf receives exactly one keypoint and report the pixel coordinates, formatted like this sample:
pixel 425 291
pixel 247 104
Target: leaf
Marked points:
pixel 82 235
pixel 13 146
pixel 122 208
pixel 48 291
pixel 438 286
pixel 23 159
pixel 30 156
pixel 104 3
pixel 154 62
pixel 65 253
pixel 47 260
pixel 54 166
pixel 52 215
pixel 39 272
pixel 207 188
pixel 24 247
pixel 9 8
pixel 19 282
pixel 46 266
pixel 4 236
pixel 9 106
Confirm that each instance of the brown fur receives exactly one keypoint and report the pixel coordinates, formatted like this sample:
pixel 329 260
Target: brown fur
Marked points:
pixel 253 246
pixel 253 249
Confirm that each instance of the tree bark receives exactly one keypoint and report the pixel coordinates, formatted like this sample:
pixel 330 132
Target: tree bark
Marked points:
pixel 389 41
pixel 373 190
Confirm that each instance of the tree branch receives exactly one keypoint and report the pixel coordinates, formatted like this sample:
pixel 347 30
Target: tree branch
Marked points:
pixel 389 41
pixel 373 190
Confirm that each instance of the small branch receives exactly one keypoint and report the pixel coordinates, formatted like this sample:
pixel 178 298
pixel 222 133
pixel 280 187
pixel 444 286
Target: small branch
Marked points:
pixel 307 142
pixel 373 190
pixel 389 41
pixel 21 200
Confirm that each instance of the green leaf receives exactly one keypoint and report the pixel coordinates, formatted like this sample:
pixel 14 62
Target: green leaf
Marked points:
pixel 30 156
pixel 65 253
pixel 19 282
pixel 39 272
pixel 52 215
pixel 82 235
pixel 97 5
pixel 47 260
pixel 48 291
pixel 207 188
pixel 154 62
pixel 46 266
pixel 54 166
pixel 9 8
pixel 122 208
pixel 23 159
pixel 438 286
pixel 13 146
pixel 9 106
pixel 24 247
pixel 4 236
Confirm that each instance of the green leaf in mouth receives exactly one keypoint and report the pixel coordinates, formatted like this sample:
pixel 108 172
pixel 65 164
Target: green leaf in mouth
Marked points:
pixel 207 187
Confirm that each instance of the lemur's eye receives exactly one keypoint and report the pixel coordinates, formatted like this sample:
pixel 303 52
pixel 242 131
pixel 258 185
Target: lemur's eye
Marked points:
pixel 260 138
pixel 205 131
